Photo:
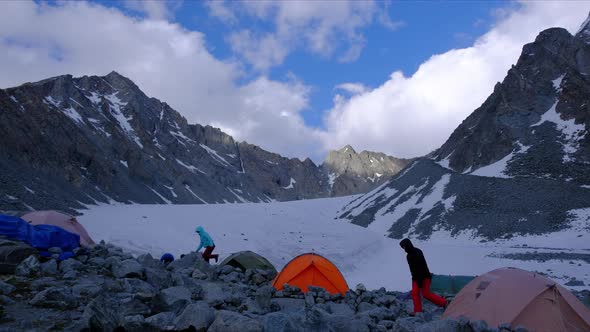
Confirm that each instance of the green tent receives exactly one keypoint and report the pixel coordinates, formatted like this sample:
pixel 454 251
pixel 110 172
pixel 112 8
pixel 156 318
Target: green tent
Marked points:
pixel 248 260
pixel 449 285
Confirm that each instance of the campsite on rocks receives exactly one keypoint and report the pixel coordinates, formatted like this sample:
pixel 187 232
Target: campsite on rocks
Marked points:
pixel 148 199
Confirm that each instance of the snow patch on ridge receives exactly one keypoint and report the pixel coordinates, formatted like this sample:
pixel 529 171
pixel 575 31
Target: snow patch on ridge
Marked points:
pixel 215 155
pixel 571 132
pixel 189 167
pixel 291 183
pixel 161 197
pixel 74 115
pixel 498 168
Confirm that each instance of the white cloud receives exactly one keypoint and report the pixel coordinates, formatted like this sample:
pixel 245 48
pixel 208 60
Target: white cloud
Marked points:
pixel 352 88
pixel 262 52
pixel 154 9
pixel 166 61
pixel 322 27
pixel 411 116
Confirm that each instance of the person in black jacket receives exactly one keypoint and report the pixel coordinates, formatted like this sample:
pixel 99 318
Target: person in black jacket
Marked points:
pixel 421 277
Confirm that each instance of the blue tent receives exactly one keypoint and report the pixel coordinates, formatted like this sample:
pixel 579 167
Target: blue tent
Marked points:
pixel 41 237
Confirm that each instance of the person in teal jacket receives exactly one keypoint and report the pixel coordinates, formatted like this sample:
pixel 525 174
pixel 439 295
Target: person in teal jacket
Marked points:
pixel 207 243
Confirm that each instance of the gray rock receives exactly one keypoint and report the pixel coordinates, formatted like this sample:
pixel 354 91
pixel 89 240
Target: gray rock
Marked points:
pixel 28 267
pixel 53 297
pixel 197 315
pixel 97 261
pixel 88 287
pixel 227 269
pixel 148 261
pixel 197 274
pixel 478 326
pixel 364 306
pixel 213 293
pixel 227 321
pixel 408 324
pixel 360 288
pixel 132 307
pixel 346 324
pixel 55 250
pixel 444 325
pixel 309 300
pixel 49 267
pixel 288 304
pixel 174 298
pixel 6 288
pixel 281 322
pixel 520 328
pixel 100 315
pixel 137 323
pixel 164 321
pixel 128 268
pixel 131 285
pixel 72 274
pixel 575 283
pixel 158 278
pixel 258 279
pixel 263 297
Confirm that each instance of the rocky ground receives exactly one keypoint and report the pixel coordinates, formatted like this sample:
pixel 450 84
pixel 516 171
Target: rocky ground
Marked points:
pixel 105 289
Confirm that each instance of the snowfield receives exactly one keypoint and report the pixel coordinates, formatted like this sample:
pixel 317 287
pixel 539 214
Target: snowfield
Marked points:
pixel 282 230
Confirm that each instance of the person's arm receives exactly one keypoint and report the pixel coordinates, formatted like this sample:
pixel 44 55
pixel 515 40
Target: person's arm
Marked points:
pixel 200 245
pixel 412 264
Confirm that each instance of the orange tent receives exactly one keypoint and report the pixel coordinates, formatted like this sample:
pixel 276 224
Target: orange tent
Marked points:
pixel 519 297
pixel 311 270
pixel 59 219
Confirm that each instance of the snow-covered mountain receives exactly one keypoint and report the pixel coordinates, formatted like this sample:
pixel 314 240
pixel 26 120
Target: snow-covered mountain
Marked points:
pixel 352 173
pixel 519 164
pixel 68 142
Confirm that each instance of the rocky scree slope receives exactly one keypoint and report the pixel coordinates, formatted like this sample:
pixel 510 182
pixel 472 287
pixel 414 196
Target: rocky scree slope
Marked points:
pixel 106 289
pixel 68 142
pixel 519 164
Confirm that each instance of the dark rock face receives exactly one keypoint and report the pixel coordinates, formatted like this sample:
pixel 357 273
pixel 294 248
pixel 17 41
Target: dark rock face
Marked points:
pixel 428 197
pixel 350 172
pixel 68 142
pixel 519 164
pixel 537 118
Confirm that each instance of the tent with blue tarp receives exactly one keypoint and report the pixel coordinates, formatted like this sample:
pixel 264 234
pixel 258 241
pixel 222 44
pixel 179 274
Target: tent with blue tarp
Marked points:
pixel 41 237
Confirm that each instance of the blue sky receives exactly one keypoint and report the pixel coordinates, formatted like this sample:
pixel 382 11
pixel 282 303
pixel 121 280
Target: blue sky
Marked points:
pixel 295 77
pixel 427 28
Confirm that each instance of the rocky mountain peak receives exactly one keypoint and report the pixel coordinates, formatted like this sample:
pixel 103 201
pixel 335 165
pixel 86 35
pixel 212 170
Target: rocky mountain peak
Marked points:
pixel 352 172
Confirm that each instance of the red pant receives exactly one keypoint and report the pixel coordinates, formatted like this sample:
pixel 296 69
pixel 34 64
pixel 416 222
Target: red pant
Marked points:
pixel 207 255
pixel 439 301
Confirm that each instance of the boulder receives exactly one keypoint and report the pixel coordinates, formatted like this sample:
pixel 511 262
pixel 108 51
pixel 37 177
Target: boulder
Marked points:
pixel 281 322
pixel 288 305
pixel 137 323
pixel 49 267
pixel 100 315
pixel 263 297
pixel 69 265
pixel 198 274
pixel 12 253
pixel 443 325
pixel 478 326
pixel 97 261
pixel 228 321
pixel 158 278
pixel 54 297
pixel 197 316
pixel 29 267
pixel 163 321
pixel 128 268
pixel 132 306
pixel 346 324
pixel 131 285
pixel 148 261
pixel 173 299
pixel 6 288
